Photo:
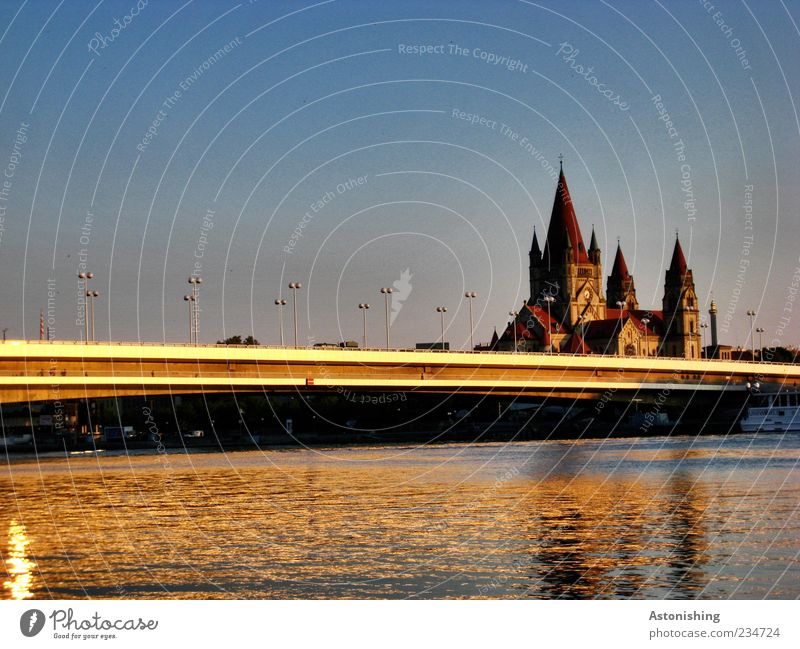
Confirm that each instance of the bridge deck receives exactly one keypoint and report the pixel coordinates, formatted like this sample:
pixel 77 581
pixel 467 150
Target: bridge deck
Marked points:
pixel 34 370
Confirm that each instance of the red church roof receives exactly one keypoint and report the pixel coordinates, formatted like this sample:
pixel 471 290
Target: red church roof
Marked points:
pixel 577 345
pixel 654 318
pixel 678 263
pixel 563 230
pixel 620 268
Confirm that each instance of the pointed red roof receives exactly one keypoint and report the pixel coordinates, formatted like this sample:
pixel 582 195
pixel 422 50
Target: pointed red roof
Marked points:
pixel 540 313
pixel 678 263
pixel 563 230
pixel 577 345
pixel 655 320
pixel 620 268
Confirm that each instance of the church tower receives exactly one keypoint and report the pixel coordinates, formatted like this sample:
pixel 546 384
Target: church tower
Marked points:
pixel 535 258
pixel 620 284
pixel 681 312
pixel 565 270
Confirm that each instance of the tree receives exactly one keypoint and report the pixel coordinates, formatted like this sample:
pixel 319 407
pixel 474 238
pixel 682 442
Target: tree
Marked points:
pixel 238 340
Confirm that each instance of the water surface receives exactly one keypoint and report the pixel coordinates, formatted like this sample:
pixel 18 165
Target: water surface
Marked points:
pixel 684 517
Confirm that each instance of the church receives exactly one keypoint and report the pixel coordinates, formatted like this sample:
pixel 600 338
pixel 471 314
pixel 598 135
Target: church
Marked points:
pixel 568 311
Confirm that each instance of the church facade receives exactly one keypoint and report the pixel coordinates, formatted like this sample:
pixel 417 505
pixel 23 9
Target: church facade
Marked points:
pixel 569 312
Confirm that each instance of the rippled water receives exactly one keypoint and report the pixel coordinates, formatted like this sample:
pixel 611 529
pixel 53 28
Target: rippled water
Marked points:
pixel 679 517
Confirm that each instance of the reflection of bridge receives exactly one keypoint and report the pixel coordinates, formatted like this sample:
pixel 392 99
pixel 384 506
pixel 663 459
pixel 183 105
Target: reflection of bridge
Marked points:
pixel 39 371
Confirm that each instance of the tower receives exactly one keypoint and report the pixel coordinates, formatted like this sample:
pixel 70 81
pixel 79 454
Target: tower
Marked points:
pixel 712 317
pixel 620 283
pixel 594 250
pixel 564 269
pixel 535 258
pixel 681 313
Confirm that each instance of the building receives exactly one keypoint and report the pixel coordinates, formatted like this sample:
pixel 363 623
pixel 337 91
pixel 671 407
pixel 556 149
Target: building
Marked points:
pixel 568 311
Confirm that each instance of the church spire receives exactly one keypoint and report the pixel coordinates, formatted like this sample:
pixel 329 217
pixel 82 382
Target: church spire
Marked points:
pixel 678 264
pixel 620 283
pixel 594 249
pixel 593 245
pixel 535 255
pixel 563 232
pixel 620 268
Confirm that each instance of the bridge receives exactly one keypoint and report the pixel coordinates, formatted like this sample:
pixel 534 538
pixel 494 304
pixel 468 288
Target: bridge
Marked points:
pixel 60 370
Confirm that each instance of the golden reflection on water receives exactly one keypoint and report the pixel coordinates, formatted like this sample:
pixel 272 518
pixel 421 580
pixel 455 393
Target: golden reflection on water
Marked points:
pixel 18 566
pixel 522 520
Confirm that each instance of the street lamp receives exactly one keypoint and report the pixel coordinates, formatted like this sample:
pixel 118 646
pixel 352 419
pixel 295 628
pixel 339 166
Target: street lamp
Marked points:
pixel 295 286
pixel 752 315
pixel 189 299
pixel 442 310
pixel 621 307
pixel 86 277
pixel 514 315
pixel 470 295
pixel 549 299
pixel 760 331
pixel 280 303
pixel 91 295
pixel 364 306
pixel 386 293
pixel 645 322
pixel 195 306
pixel 579 326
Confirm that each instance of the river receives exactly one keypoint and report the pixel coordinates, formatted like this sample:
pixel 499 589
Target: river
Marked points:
pixel 680 517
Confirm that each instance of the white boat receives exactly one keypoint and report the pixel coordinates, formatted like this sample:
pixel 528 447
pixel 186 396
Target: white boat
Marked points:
pixel 778 412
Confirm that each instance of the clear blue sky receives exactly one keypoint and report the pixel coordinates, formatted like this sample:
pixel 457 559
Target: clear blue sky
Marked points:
pixel 311 95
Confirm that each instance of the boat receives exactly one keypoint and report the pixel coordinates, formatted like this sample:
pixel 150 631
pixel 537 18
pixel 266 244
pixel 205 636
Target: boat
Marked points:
pixel 776 412
pixel 16 441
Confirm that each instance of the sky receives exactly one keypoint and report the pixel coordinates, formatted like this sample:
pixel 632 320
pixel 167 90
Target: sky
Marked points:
pixel 353 145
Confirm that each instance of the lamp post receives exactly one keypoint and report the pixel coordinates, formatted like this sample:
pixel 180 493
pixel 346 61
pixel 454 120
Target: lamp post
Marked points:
pixel 91 295
pixel 514 315
pixel 752 315
pixel 579 324
pixel 470 295
pixel 703 327
pixel 549 299
pixel 295 286
pixel 442 310
pixel 86 277
pixel 760 331
pixel 280 303
pixel 194 305
pixel 387 291
pixel 621 307
pixel 645 322
pixel 189 299
pixel 364 306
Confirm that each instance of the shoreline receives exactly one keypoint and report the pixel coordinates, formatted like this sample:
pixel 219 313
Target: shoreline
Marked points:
pixel 25 456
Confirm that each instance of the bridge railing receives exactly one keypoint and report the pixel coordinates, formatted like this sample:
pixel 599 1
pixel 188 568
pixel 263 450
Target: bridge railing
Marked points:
pixel 332 347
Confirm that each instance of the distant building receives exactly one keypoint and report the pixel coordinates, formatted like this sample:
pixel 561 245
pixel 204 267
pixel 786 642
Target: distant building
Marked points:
pixel 568 311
